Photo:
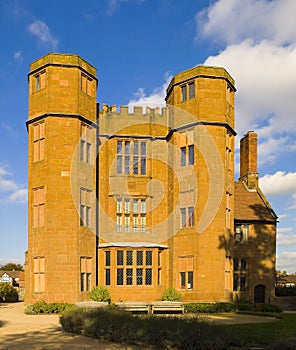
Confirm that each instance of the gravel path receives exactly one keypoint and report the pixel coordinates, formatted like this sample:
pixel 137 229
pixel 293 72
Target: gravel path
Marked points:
pixel 20 332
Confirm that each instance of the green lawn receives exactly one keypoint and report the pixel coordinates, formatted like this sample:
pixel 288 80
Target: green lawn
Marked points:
pixel 266 333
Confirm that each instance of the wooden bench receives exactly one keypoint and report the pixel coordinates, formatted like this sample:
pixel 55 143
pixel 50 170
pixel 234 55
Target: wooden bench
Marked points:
pixel 135 306
pixel 92 304
pixel 167 307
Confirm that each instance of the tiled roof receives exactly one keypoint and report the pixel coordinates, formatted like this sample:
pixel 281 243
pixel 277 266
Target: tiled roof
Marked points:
pixel 251 205
pixel 13 274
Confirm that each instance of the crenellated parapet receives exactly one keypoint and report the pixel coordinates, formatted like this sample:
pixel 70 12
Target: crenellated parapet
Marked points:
pixel 133 120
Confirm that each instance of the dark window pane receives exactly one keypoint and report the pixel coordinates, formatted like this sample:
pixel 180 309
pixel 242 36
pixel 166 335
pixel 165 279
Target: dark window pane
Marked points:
pixel 243 266
pixel 129 277
pixel 129 257
pixel 149 257
pixel 139 276
pixel 82 282
pixel 136 165
pixel 243 283
pixel 190 280
pixel 183 217
pixel 183 156
pixel 127 165
pixel 191 90
pixel 107 258
pixel 183 91
pixel 136 148
pixel 191 154
pixel 143 148
pixel 119 147
pixel 139 257
pixel 235 282
pixel 143 166
pixel 119 279
pixel 235 264
pixel 119 164
pixel 107 277
pixel 148 277
pixel 120 257
pixel 88 281
pixel 182 280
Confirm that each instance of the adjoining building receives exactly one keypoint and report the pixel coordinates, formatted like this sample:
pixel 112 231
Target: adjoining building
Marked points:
pixel 144 200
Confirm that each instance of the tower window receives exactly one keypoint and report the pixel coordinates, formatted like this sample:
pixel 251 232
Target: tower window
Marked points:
pixel 39 274
pixel 40 81
pixel 186 272
pixel 191 90
pixel 132 214
pixel 85 208
pixel 184 93
pixel 240 274
pixel 38 141
pixel 85 273
pixel 86 84
pixel 38 207
pixel 131 157
pixel 85 144
pixel 187 155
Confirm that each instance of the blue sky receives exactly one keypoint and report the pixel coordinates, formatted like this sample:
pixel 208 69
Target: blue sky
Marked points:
pixel 136 46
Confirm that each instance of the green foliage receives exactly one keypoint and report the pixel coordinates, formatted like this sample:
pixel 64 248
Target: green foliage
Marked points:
pixel 41 307
pixel 113 324
pixel 284 291
pixel 8 293
pixel 231 307
pixel 209 307
pixel 12 267
pixel 258 307
pixel 100 293
pixel 170 294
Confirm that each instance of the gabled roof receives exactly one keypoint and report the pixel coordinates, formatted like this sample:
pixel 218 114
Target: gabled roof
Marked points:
pixel 13 274
pixel 251 205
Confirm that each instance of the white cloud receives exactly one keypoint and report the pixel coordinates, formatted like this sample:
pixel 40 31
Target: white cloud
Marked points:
pixel 19 196
pixel 18 57
pixel 9 190
pixel 42 32
pixel 279 183
pixel 257 19
pixel 286 239
pixel 155 99
pixel 286 261
pixel 260 53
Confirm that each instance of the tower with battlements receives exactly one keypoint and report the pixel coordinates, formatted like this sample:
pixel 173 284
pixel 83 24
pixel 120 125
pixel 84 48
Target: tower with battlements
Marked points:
pixel 137 200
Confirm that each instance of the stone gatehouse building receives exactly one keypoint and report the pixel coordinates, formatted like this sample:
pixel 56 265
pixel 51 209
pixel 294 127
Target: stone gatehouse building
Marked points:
pixel 139 201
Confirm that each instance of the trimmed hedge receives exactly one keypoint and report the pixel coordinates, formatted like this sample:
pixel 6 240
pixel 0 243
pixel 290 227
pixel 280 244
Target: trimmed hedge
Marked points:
pixel 115 325
pixel 41 307
pixel 230 307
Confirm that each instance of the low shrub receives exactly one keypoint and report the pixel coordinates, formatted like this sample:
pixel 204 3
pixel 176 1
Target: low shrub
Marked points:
pixel 100 293
pixel 117 325
pixel 41 307
pixel 209 307
pixel 8 293
pixel 230 307
pixel 170 294
pixel 284 291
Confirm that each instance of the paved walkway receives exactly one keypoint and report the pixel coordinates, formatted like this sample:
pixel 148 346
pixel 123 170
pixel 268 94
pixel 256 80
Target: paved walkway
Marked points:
pixel 19 331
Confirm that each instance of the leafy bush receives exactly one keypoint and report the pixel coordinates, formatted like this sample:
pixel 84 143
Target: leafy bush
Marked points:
pixel 8 293
pixel 209 307
pixel 258 307
pixel 100 293
pixel 284 291
pixel 41 307
pixel 230 307
pixel 170 294
pixel 113 324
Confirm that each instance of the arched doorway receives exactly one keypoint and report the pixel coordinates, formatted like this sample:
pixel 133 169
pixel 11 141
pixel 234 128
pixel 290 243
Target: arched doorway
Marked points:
pixel 259 294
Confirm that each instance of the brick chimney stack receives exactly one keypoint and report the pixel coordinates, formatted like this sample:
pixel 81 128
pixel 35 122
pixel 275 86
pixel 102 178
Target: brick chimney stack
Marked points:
pixel 248 160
